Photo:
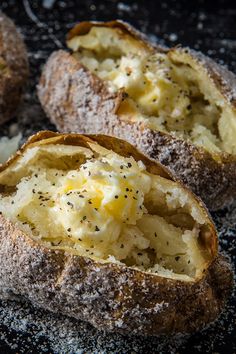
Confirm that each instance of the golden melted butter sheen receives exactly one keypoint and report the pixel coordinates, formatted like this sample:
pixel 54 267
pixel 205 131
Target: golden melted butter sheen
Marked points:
pixel 100 198
pixel 166 95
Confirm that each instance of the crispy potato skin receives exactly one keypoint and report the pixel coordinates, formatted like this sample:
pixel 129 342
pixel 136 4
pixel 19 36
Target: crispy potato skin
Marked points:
pixel 13 57
pixel 76 100
pixel 110 296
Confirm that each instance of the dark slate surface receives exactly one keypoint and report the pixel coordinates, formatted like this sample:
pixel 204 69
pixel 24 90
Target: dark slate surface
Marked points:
pixel 204 25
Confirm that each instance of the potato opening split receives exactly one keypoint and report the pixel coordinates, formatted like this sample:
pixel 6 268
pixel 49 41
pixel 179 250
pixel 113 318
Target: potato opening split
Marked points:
pixel 93 202
pixel 168 91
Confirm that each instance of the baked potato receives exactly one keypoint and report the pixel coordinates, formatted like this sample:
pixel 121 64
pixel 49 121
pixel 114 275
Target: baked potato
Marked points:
pixel 91 228
pixel 14 68
pixel 176 105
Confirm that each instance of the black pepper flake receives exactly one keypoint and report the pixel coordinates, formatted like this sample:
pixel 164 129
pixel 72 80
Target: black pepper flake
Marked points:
pixel 97 228
pixel 12 202
pixel 121 167
pixel 134 198
pixel 177 258
pixel 155 234
pixel 126 196
pixel 84 217
pixel 69 229
pixel 122 246
pixel 140 254
pixel 129 164
pixel 96 209
pixel 116 196
pixel 188 261
pixel 81 196
pixel 90 202
pixel 127 189
pixel 33 191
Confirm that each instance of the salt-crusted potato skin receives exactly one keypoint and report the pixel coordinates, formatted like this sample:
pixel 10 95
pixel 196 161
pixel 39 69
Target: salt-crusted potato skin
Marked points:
pixel 110 296
pixel 13 68
pixel 76 100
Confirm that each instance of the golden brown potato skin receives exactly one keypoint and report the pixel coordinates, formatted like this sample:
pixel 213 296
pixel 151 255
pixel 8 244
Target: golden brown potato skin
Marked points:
pixel 111 297
pixel 76 100
pixel 14 68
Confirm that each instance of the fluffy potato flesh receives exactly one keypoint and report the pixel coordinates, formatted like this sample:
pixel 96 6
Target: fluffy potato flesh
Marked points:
pixel 167 91
pixel 92 202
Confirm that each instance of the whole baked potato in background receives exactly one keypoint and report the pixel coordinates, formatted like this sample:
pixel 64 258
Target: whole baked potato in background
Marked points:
pixel 195 133
pixel 14 69
pixel 93 229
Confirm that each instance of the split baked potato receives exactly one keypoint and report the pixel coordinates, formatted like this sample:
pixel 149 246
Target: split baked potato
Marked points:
pixel 176 105
pixel 91 228
pixel 14 68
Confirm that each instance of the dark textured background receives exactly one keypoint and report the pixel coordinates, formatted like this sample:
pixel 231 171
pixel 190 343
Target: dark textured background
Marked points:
pixel 204 25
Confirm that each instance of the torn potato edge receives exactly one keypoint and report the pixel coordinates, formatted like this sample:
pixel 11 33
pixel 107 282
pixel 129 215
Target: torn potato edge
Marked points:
pixel 110 296
pixel 212 176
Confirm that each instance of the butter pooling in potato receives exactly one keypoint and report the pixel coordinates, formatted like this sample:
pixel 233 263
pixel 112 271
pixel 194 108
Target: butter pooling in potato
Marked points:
pixel 93 202
pixel 167 91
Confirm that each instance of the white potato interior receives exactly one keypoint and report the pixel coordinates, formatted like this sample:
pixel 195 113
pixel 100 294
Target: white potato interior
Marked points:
pixel 169 92
pixel 93 202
